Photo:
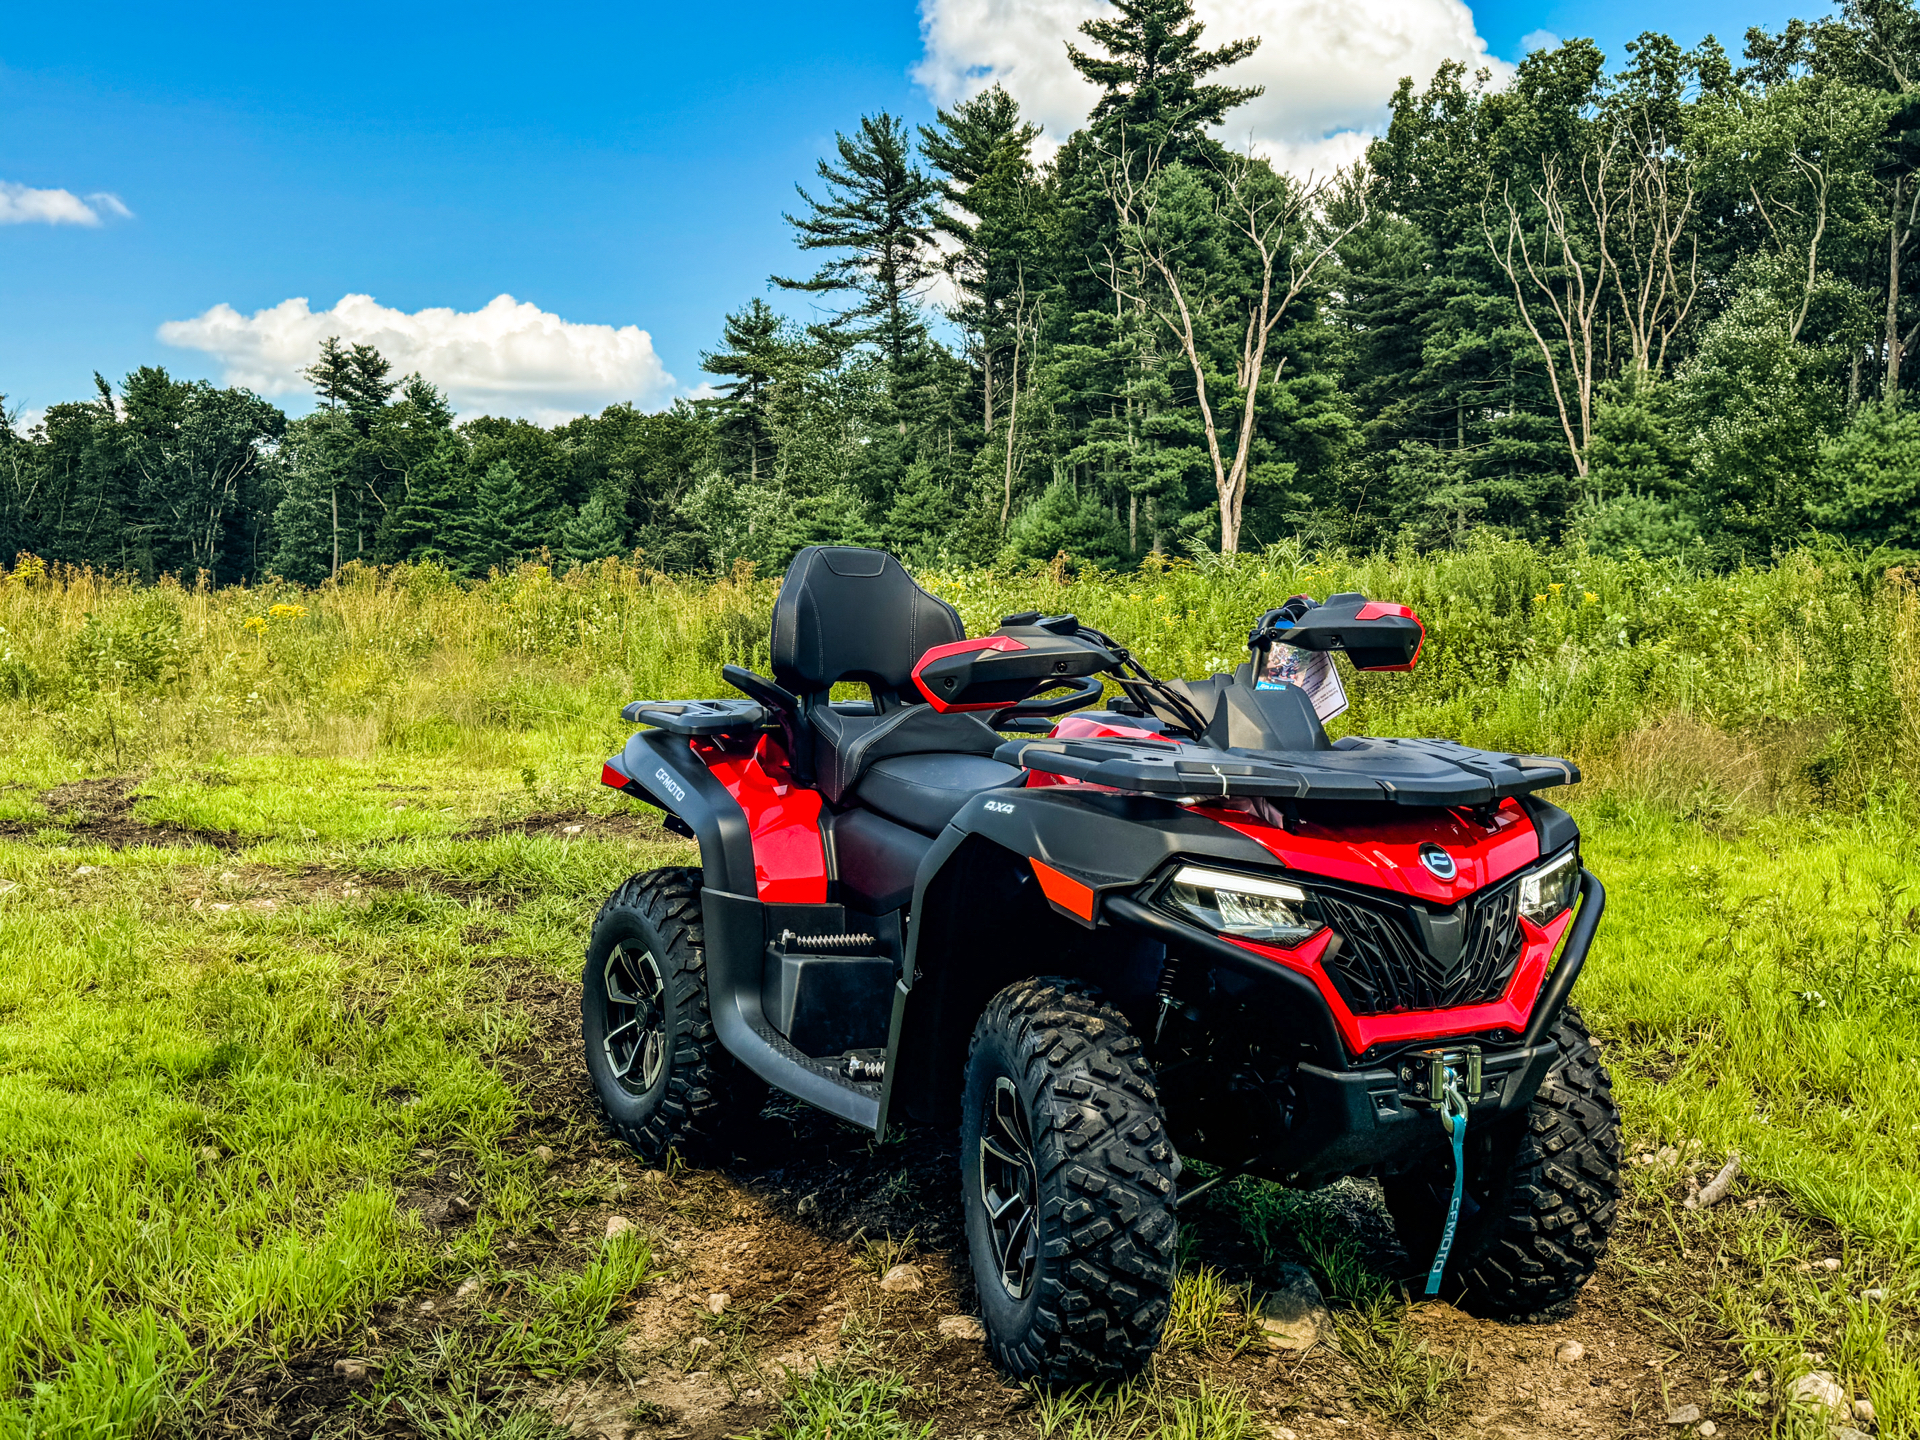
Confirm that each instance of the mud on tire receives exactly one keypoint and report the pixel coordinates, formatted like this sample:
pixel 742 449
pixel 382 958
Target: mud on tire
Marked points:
pixel 659 1073
pixel 1544 1193
pixel 1082 1295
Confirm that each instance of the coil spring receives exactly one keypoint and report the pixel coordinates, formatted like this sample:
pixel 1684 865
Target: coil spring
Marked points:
pixel 852 940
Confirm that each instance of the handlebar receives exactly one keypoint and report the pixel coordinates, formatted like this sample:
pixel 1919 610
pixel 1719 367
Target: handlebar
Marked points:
pixel 1084 691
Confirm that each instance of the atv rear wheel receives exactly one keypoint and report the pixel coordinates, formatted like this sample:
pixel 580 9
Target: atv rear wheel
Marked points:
pixel 1540 1197
pixel 659 1072
pixel 1067 1182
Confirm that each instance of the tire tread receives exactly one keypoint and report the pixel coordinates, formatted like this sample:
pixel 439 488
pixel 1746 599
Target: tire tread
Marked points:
pixel 705 1085
pixel 1104 1183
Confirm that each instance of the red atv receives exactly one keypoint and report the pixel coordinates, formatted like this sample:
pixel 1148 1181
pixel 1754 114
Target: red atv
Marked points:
pixel 1186 925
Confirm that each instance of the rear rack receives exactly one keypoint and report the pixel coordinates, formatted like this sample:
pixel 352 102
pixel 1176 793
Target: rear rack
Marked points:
pixel 697 717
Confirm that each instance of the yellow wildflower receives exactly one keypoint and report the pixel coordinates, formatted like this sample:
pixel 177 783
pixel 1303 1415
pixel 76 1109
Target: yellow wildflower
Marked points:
pixel 1589 596
pixel 256 623
pixel 286 610
pixel 1557 587
pixel 1540 599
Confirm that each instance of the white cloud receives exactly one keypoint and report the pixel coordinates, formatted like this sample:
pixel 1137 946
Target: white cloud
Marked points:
pixel 1539 40
pixel 25 420
pixel 507 358
pixel 23 205
pixel 1329 65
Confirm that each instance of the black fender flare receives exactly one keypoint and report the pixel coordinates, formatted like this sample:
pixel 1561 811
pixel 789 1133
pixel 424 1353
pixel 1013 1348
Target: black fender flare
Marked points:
pixel 663 770
pixel 1103 840
pixel 1098 841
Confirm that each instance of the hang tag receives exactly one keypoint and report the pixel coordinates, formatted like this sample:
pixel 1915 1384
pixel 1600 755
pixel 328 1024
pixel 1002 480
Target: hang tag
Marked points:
pixel 1312 670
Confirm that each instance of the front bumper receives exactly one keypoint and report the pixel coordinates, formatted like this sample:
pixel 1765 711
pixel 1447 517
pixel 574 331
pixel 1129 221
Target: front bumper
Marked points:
pixel 1356 1122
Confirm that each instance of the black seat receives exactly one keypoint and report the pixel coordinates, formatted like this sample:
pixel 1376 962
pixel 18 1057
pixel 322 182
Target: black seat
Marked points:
pixel 924 791
pixel 850 614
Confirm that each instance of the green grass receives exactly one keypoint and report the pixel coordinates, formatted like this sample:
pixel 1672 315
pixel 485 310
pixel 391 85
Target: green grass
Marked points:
pixel 200 1136
pixel 208 1116
pixel 1149 1408
pixel 1209 1315
pixel 1396 1376
pixel 849 1399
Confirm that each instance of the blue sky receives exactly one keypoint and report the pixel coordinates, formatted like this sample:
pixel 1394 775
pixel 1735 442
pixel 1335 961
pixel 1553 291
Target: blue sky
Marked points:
pixel 607 168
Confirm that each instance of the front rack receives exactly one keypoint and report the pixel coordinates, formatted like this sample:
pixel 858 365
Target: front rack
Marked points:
pixel 1405 772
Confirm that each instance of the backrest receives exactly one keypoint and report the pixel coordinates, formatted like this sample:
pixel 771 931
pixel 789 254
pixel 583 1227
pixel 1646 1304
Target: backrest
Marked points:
pixel 846 613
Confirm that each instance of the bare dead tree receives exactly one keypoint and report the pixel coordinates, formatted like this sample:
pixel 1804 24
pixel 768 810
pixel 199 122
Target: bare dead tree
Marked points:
pixel 1900 231
pixel 1621 230
pixel 1813 211
pixel 1569 291
pixel 1280 223
pixel 1641 247
pixel 1024 320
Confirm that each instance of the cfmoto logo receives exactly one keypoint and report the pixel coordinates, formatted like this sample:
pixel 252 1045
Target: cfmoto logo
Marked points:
pixel 1438 862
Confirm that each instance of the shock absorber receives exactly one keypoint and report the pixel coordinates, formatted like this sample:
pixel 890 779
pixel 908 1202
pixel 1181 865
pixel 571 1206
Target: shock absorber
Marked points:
pixel 1164 993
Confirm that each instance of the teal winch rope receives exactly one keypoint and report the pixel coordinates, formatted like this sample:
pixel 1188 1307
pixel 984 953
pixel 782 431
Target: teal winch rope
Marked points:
pixel 1454 1122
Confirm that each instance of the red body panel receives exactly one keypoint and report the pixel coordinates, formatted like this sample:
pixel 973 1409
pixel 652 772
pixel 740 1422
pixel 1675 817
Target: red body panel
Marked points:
pixel 962 647
pixel 1385 854
pixel 1509 1013
pixel 1076 727
pixel 790 861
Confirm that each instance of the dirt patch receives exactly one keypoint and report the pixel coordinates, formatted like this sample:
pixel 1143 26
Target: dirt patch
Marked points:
pixel 635 824
pixel 100 812
pixel 766 1264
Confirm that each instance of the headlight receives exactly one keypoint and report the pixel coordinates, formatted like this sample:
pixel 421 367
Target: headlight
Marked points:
pixel 1260 910
pixel 1549 891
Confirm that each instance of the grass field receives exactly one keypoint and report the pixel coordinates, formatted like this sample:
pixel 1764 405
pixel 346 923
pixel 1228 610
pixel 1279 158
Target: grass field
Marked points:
pixel 292 886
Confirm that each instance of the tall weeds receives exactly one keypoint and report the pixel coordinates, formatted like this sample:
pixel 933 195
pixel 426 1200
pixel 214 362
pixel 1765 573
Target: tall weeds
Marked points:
pixel 1762 689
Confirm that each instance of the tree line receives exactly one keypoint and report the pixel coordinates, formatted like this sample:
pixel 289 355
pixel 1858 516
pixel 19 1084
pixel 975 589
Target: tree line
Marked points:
pixel 1668 308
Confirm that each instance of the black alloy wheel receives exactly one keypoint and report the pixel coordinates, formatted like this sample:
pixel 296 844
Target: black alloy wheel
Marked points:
pixel 661 1076
pixel 1008 1188
pixel 1067 1186
pixel 634 1033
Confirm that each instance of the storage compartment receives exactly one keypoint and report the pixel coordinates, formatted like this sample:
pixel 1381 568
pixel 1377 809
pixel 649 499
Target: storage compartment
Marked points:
pixel 828 993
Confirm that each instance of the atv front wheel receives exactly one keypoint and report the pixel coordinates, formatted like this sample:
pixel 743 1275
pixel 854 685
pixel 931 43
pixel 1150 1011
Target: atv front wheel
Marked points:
pixel 1540 1197
pixel 1067 1181
pixel 659 1072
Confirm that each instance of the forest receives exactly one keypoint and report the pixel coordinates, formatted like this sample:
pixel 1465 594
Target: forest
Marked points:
pixel 1666 308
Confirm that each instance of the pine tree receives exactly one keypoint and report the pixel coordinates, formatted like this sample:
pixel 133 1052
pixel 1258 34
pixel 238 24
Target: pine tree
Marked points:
pixel 593 534
pixel 756 349
pixel 429 519
pixel 1150 77
pixel 878 210
pixel 364 387
pixel 998 214
pixel 507 524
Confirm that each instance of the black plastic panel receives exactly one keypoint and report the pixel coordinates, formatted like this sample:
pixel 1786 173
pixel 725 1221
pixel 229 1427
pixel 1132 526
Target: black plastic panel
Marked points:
pixel 1400 957
pixel 876 861
pixel 826 1005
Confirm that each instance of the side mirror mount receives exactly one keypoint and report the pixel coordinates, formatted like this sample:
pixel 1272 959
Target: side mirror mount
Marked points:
pixel 1377 635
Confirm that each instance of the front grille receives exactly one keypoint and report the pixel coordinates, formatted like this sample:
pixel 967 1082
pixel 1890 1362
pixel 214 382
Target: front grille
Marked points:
pixel 1385 962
